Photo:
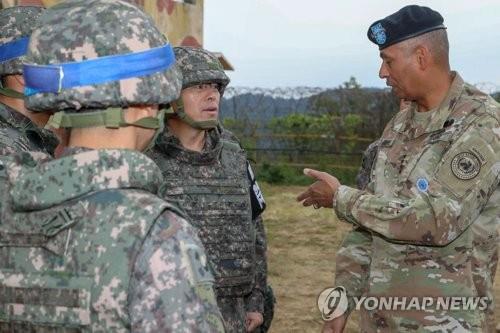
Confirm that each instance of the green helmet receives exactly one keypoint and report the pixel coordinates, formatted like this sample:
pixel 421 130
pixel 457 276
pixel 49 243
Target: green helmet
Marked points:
pixel 92 33
pixel 198 66
pixel 17 25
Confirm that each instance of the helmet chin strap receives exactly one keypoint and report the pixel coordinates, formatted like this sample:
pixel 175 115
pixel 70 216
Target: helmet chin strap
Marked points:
pixel 11 93
pixel 182 115
pixel 109 118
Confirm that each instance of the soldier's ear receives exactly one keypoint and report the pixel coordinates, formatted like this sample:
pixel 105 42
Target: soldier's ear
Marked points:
pixel 423 57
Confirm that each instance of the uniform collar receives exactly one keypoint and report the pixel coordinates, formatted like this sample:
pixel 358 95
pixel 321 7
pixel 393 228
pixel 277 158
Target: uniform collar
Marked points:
pixel 403 120
pixel 170 145
pixel 78 173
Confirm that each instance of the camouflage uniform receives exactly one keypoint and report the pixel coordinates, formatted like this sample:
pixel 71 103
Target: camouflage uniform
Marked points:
pixel 214 189
pixel 352 261
pixel 363 177
pixel 17 132
pixel 87 245
pixel 434 186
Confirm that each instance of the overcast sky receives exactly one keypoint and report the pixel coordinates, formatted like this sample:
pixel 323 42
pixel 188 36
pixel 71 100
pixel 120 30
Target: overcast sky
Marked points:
pixel 287 43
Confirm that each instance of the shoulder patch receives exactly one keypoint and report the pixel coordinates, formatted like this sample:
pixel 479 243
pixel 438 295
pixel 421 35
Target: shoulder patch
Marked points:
pixel 465 165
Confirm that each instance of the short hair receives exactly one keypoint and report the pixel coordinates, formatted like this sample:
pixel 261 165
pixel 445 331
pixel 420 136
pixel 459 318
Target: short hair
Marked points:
pixel 437 43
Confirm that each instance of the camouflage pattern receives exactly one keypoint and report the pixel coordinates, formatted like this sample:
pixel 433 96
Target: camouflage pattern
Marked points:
pixel 255 300
pixel 199 66
pixel 364 174
pixel 88 248
pixel 269 304
pixel 353 259
pixel 233 312
pixel 213 189
pixel 352 264
pixel 212 186
pixel 86 245
pixel 100 31
pixel 16 23
pixel 424 209
pixel 18 133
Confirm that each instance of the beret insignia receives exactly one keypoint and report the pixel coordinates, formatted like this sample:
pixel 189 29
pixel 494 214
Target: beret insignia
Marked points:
pixel 378 33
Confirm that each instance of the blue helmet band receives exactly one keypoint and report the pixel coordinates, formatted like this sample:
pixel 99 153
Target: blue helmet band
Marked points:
pixel 54 78
pixel 14 49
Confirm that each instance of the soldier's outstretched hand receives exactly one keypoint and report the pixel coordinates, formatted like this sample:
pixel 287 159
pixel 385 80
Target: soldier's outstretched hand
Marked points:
pixel 319 194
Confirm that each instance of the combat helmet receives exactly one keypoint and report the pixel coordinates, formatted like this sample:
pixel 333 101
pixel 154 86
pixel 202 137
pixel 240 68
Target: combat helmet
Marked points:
pixel 89 59
pixel 17 25
pixel 198 66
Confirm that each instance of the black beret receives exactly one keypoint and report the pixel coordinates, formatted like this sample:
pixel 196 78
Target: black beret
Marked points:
pixel 408 22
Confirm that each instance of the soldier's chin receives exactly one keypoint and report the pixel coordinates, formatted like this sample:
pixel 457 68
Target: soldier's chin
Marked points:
pixel 398 93
pixel 211 115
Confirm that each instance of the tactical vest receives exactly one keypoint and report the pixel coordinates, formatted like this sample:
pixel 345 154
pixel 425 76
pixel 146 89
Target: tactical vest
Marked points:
pixel 58 270
pixel 213 189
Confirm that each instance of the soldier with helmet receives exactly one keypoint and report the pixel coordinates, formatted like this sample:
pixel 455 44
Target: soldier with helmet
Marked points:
pixel 87 244
pixel 20 130
pixel 207 172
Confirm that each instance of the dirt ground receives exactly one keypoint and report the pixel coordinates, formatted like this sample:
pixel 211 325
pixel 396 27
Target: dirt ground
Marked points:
pixel 301 256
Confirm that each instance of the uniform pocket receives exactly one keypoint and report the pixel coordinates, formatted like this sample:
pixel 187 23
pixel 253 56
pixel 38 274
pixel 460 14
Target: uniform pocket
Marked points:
pixel 468 164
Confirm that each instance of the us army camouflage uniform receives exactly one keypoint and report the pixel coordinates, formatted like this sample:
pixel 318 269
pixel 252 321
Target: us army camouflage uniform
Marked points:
pixel 363 177
pixel 87 244
pixel 432 200
pixel 354 256
pixel 127 259
pixel 213 188
pixel 352 261
pixel 17 132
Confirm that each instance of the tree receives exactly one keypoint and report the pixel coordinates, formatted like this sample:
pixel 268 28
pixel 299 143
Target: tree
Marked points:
pixel 496 96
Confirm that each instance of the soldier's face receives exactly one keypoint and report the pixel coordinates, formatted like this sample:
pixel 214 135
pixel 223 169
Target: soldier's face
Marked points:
pixel 201 102
pixel 399 70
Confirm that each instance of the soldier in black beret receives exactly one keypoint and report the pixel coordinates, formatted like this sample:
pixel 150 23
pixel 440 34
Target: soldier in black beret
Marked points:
pixel 426 225
pixel 408 22
pixel 414 47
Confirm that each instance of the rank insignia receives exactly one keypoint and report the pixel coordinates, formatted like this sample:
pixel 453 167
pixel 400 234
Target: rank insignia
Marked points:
pixel 465 166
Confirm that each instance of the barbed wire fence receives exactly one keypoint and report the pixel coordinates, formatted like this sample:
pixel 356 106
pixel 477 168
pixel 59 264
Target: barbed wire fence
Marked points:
pixel 271 149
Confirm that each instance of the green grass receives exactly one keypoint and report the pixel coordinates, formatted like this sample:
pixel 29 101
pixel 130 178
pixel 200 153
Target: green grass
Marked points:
pixel 282 173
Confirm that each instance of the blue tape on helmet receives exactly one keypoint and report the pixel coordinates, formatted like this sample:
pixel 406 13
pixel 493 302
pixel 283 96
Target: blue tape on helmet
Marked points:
pixel 14 49
pixel 54 78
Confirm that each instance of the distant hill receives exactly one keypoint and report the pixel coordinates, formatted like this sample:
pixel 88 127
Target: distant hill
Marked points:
pixel 265 104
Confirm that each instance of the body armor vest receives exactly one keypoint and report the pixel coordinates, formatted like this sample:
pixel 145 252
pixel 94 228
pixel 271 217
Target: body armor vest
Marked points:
pixel 67 268
pixel 213 188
